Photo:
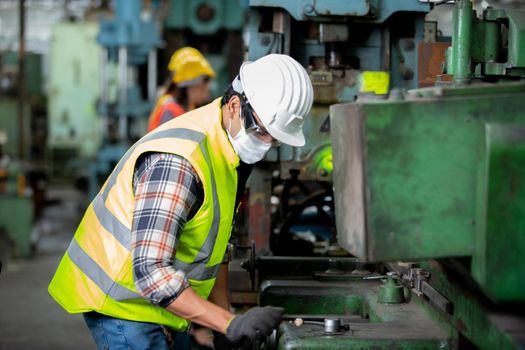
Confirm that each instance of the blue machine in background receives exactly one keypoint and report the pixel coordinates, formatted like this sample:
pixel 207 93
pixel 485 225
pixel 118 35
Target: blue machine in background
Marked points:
pixel 130 41
pixel 214 27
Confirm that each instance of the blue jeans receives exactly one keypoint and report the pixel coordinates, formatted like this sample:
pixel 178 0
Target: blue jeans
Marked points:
pixel 115 334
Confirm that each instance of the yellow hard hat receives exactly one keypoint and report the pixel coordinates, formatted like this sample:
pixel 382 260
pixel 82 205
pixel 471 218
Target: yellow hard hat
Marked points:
pixel 189 66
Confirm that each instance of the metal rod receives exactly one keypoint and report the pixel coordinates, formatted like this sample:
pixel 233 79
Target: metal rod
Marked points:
pixel 461 41
pixel 21 78
pixel 123 86
pixel 152 75
pixel 103 99
pixel 128 10
pixel 282 24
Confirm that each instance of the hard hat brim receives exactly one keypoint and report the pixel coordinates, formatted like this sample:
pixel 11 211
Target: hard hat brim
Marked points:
pixel 296 139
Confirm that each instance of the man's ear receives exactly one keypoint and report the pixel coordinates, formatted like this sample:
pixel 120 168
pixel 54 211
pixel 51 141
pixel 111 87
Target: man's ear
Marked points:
pixel 234 105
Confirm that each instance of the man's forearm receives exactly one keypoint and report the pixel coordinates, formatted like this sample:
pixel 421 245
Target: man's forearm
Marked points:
pixel 190 306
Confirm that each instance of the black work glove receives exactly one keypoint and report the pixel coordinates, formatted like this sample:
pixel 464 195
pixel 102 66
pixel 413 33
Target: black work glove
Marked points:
pixel 256 324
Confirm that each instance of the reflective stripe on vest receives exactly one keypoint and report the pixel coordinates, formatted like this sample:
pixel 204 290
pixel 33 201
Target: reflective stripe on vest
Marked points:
pixel 197 270
pixel 97 275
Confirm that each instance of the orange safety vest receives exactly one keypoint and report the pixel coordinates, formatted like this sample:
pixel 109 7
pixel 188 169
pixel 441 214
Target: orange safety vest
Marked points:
pixel 165 104
pixel 96 272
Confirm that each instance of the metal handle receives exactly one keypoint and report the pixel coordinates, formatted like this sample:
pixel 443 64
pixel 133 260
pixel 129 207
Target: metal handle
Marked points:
pixel 389 275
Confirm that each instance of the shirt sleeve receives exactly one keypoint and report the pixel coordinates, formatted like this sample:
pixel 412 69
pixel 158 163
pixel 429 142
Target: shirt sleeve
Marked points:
pixel 167 193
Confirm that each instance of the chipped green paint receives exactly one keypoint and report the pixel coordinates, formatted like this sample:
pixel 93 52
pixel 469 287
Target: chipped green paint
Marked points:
pixel 421 172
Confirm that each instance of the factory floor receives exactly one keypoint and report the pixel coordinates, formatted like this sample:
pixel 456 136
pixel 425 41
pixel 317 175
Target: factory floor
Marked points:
pixel 29 317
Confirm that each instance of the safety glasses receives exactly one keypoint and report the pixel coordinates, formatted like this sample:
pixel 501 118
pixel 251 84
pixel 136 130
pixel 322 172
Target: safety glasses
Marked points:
pixel 253 125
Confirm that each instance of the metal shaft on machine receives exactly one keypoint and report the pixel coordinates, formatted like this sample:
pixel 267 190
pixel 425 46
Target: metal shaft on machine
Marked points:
pixel 461 42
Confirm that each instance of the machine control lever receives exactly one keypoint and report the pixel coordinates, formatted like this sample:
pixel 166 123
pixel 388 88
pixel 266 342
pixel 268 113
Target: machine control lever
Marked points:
pixel 418 280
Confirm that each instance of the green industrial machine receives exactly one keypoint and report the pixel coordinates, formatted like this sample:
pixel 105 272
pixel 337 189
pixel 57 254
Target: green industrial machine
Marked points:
pixel 438 175
pixel 491 46
pixel 429 192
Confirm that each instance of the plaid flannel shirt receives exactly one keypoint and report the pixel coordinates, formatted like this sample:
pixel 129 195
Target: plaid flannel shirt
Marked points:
pixel 168 193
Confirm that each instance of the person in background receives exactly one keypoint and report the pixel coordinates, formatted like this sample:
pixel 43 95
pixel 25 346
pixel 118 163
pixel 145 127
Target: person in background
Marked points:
pixel 150 254
pixel 188 86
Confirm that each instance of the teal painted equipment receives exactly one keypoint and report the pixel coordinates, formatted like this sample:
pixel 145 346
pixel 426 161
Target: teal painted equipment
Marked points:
pixel 375 11
pixel 205 17
pixel 16 218
pixel 128 40
pixel 212 26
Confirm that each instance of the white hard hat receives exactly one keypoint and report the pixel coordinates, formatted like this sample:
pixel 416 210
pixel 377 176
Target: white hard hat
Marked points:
pixel 281 93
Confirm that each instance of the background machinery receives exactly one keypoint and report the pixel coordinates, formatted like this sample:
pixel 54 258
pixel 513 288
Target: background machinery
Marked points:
pixel 214 27
pixel 352 49
pixel 22 140
pixel 427 182
pixel 117 59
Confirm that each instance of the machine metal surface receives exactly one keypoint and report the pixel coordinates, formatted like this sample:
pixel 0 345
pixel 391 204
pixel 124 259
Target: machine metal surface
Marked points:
pixel 415 179
pixel 378 10
pixel 326 313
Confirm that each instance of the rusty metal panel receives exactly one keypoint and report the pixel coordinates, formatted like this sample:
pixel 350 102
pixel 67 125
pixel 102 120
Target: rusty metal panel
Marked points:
pixel 431 57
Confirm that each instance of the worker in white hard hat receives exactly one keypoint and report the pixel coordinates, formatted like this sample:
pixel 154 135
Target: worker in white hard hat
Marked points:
pixel 148 257
pixel 188 86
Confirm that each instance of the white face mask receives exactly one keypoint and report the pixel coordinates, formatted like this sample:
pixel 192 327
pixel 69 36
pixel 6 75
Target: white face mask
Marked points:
pixel 247 146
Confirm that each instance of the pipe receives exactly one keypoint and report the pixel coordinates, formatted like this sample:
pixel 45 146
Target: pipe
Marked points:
pixel 461 41
pixel 21 78
pixel 123 86
pixel 128 10
pixel 152 75
pixel 103 100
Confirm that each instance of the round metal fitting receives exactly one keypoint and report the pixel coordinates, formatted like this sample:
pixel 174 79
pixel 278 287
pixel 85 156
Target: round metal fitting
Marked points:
pixel 332 325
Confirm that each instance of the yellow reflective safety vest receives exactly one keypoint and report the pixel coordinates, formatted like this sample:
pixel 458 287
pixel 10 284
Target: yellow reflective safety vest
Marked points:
pixel 95 273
